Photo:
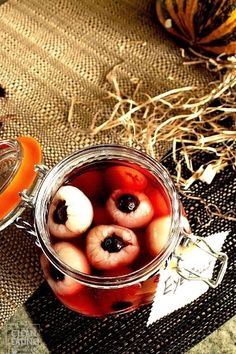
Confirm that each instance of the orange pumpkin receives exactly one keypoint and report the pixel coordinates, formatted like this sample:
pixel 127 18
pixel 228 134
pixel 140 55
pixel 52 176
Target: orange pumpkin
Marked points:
pixel 206 24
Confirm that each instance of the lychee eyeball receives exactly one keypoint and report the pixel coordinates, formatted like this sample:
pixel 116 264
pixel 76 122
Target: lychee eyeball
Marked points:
pixel 70 213
pixel 111 247
pixel 129 208
pixel 71 255
pixel 157 234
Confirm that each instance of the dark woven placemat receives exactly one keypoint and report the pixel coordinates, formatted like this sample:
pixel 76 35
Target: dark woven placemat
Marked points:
pixel 66 332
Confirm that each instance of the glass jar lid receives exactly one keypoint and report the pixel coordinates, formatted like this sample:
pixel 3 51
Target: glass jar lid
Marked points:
pixel 17 160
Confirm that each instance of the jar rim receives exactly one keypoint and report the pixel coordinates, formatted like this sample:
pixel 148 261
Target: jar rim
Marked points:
pixel 98 153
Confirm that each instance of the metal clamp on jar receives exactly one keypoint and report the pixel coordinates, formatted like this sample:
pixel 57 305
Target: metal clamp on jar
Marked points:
pixel 25 181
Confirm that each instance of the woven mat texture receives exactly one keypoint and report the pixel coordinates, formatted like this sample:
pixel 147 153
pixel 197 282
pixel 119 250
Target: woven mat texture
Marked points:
pixel 52 51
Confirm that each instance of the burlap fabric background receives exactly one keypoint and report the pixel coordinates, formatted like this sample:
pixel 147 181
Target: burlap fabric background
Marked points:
pixel 52 51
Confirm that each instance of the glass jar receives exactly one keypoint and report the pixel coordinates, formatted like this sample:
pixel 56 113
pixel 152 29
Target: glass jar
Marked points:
pixel 92 294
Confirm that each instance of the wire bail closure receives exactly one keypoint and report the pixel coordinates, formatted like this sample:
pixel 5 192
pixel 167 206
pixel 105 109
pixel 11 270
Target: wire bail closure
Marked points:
pixel 28 200
pixel 190 274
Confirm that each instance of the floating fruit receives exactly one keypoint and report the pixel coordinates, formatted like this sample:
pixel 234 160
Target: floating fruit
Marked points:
pixel 129 208
pixel 161 204
pixel 70 213
pixel 157 234
pixel 111 246
pixel 117 177
pixel 72 256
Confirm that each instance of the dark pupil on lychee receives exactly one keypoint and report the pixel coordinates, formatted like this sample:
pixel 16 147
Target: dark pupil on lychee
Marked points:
pixel 121 305
pixel 55 273
pixel 127 203
pixel 60 214
pixel 113 244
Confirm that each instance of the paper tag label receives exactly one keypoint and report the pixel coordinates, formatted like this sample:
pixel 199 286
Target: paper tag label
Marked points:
pixel 174 292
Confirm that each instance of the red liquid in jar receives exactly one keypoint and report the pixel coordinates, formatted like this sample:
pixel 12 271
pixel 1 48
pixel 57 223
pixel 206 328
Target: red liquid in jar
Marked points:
pixel 133 209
